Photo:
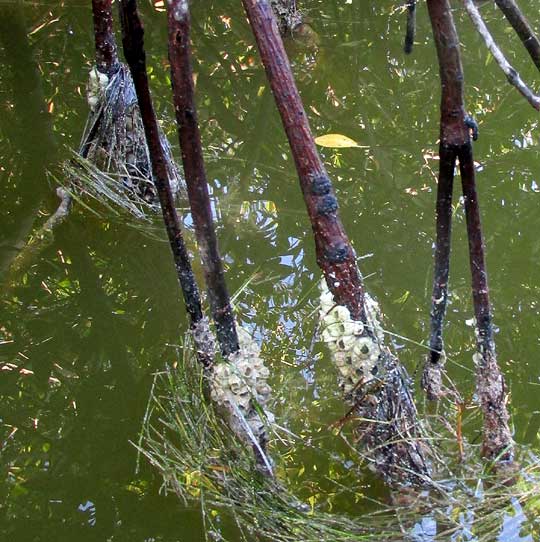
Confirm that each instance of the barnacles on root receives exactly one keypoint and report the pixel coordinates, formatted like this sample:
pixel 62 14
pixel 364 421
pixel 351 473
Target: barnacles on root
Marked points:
pixel 377 387
pixel 97 85
pixel 239 385
pixel 355 347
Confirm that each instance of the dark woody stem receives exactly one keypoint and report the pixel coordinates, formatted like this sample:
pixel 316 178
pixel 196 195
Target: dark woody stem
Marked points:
pixel 106 52
pixel 192 159
pixel 133 42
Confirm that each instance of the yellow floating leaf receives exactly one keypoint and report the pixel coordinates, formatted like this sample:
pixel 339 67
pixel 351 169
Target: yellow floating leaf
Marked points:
pixel 337 141
pixel 159 5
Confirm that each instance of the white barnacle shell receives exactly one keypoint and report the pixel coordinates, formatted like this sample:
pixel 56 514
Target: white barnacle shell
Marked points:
pixel 477 359
pixel 263 388
pixel 373 313
pixel 97 85
pixel 239 383
pixel 363 348
pixel 243 400
pixel 340 314
pixel 346 342
pixel 332 332
pixel 340 359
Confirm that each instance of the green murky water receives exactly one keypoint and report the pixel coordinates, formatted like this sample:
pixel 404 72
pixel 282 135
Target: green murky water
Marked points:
pixel 83 330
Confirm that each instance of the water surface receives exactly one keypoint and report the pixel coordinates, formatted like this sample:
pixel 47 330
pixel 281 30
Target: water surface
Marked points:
pixel 84 329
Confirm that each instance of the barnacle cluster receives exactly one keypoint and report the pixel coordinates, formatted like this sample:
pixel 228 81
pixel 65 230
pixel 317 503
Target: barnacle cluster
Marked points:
pixel 97 84
pixel 355 347
pixel 240 386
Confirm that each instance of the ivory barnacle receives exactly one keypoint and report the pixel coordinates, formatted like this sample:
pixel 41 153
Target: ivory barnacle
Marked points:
pixel 240 383
pixel 354 353
pixel 97 85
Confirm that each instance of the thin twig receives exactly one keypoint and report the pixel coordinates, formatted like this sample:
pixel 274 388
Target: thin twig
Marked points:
pixel 511 74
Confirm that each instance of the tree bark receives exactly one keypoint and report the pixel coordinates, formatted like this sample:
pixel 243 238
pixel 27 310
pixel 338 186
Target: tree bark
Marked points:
pixel 192 159
pixel 106 51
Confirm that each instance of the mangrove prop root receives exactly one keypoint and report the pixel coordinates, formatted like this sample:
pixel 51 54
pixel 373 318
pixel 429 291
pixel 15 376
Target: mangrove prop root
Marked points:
pixel 511 74
pixel 133 42
pixel 522 27
pixel 410 33
pixel 335 255
pixel 491 389
pixel 192 159
pixel 453 133
pixel 456 142
pixel 106 51
pixel 390 428
pixel 431 380
pixel 238 384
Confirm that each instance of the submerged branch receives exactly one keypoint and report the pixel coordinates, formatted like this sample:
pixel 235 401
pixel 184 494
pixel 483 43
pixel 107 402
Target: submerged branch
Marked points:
pixel 511 74
pixel 39 240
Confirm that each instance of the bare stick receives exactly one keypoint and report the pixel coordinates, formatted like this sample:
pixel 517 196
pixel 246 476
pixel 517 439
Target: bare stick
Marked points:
pixel 411 26
pixel 106 52
pixel 192 159
pixel 522 27
pixel 133 42
pixel 511 74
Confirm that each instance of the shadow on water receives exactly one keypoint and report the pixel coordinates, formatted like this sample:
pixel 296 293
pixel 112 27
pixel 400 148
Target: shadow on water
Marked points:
pixel 83 330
